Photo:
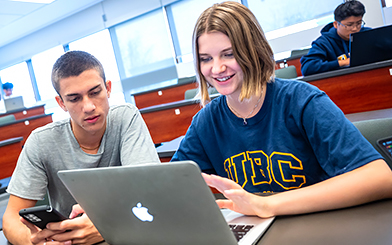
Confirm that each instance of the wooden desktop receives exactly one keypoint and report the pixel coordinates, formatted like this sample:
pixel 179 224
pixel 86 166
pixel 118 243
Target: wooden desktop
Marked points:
pixel 354 90
pixel 26 112
pixel 165 94
pixel 357 89
pixel 9 153
pixel 23 127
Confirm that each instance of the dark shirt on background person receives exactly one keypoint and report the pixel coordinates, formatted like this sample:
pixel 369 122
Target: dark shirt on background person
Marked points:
pixel 331 50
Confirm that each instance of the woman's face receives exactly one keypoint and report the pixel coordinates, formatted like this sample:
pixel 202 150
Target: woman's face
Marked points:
pixel 218 65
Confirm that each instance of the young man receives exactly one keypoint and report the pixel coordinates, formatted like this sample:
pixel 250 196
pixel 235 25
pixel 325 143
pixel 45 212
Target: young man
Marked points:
pixel 7 88
pixel 94 136
pixel 331 50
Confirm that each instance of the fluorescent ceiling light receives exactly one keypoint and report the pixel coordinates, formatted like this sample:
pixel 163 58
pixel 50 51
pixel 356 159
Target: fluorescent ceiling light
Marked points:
pixel 34 1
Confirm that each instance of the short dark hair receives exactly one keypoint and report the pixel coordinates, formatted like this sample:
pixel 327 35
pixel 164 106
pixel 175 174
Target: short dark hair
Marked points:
pixel 73 63
pixel 348 9
pixel 8 86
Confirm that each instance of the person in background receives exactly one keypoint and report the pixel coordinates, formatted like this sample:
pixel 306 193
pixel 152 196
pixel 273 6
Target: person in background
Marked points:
pixel 96 135
pixel 282 138
pixel 331 50
pixel 8 88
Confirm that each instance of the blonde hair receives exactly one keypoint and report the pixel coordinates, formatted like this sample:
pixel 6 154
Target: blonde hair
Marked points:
pixel 250 47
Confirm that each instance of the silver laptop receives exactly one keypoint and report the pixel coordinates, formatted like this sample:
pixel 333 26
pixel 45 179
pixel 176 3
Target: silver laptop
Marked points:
pixel 14 103
pixel 167 203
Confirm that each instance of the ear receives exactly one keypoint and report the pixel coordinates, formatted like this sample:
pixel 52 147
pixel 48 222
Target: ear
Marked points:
pixel 109 87
pixel 61 103
pixel 335 24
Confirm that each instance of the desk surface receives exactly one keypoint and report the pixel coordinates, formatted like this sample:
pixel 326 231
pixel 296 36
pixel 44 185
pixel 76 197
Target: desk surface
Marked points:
pixel 22 109
pixel 366 224
pixel 10 141
pixel 346 71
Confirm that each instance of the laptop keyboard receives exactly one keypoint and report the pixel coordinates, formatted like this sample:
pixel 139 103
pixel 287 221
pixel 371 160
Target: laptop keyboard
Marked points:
pixel 240 230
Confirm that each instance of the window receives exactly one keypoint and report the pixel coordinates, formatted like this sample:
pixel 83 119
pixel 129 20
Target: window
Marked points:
pixel 184 22
pixel 19 76
pixel 285 17
pixel 100 45
pixel 42 65
pixel 144 44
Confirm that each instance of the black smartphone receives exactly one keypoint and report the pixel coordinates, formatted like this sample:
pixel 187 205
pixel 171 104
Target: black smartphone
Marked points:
pixel 385 145
pixel 41 215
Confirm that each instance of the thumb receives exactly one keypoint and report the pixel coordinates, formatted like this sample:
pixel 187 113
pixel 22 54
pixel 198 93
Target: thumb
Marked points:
pixel 76 210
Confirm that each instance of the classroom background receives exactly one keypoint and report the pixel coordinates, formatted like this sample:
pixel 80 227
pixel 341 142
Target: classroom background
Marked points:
pixel 142 44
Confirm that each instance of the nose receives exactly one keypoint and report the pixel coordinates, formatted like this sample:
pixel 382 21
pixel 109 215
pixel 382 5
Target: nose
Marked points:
pixel 218 66
pixel 88 105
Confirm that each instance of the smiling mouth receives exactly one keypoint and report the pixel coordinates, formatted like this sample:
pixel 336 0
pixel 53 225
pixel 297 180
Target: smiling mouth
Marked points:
pixel 224 79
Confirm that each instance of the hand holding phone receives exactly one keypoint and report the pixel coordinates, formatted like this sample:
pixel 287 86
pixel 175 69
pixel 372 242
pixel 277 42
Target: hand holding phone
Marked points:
pixel 40 216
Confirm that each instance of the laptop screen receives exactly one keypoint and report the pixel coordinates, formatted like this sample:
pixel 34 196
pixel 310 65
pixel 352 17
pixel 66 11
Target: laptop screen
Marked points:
pixel 371 46
pixel 14 103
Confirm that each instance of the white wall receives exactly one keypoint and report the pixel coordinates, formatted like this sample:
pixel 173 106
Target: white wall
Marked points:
pixel 388 15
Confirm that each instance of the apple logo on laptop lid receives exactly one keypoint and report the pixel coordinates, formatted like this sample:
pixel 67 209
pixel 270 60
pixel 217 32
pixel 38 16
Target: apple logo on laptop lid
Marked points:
pixel 142 213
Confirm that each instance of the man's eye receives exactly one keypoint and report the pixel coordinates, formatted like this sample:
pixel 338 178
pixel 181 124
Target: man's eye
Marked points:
pixel 96 92
pixel 74 99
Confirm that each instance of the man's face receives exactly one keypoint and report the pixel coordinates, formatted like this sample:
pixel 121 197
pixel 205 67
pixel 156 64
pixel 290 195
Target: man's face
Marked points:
pixel 8 92
pixel 347 26
pixel 86 99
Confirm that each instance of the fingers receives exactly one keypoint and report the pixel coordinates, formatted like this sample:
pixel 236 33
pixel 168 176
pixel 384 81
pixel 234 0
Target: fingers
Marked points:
pixel 81 231
pixel 33 229
pixel 57 243
pixel 76 210
pixel 220 183
pixel 225 204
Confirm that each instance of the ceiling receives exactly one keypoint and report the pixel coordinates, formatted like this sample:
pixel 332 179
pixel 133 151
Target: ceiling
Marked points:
pixel 18 19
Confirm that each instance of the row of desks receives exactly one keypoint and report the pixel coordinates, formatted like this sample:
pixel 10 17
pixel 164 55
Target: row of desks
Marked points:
pixel 14 134
pixel 353 90
pixel 26 112
pixel 9 153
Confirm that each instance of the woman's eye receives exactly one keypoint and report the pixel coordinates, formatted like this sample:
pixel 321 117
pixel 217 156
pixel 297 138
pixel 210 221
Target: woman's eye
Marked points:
pixel 204 59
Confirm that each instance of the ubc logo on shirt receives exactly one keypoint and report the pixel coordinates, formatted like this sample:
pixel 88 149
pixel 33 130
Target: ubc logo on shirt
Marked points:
pixel 342 57
pixel 257 168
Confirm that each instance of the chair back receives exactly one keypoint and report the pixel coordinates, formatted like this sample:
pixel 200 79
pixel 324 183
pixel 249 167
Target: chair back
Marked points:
pixel 7 119
pixel 299 52
pixel 192 93
pixel 286 72
pixel 374 130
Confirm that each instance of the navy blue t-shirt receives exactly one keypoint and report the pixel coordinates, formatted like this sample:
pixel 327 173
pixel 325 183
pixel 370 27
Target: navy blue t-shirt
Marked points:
pixel 298 138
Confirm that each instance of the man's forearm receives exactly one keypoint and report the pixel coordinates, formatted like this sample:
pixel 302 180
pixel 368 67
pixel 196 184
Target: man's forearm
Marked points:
pixel 16 234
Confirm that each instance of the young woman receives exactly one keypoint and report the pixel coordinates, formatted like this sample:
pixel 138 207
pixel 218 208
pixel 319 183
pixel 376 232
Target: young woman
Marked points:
pixel 269 135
